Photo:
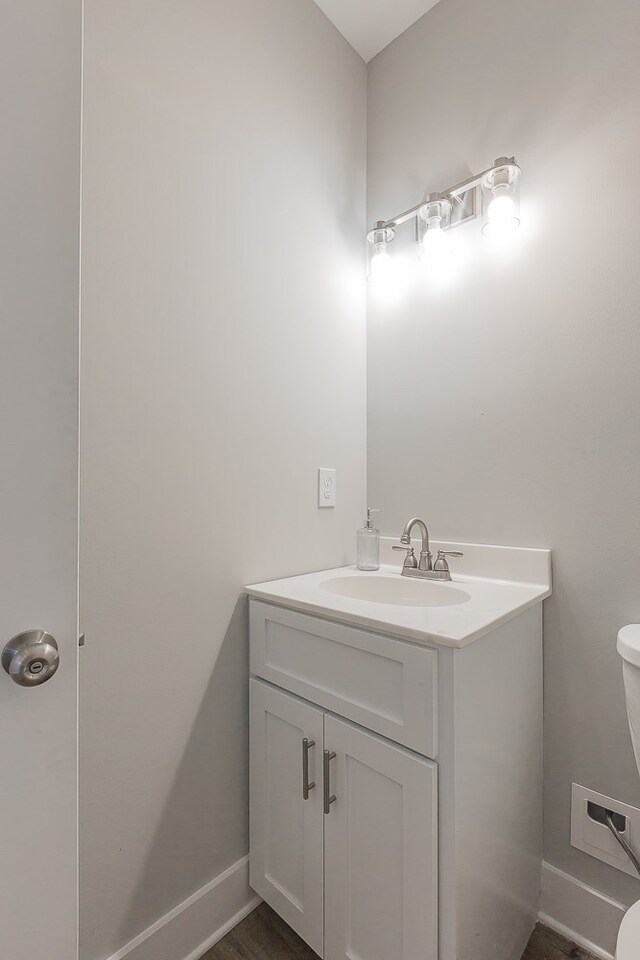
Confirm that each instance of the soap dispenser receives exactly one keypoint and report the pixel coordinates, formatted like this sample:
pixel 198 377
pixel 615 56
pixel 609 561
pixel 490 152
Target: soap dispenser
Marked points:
pixel 369 544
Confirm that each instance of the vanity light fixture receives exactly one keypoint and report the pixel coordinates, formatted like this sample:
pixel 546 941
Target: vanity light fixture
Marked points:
pixel 440 212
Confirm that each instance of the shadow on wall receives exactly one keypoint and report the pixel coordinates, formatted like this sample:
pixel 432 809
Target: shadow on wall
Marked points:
pixel 208 783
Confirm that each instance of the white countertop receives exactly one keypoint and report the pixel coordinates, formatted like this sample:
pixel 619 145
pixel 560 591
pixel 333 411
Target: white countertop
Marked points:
pixel 494 594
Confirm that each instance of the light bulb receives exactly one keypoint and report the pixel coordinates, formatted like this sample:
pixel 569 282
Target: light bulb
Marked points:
pixel 436 247
pixel 502 221
pixel 435 238
pixel 501 208
pixel 381 266
pixel 383 274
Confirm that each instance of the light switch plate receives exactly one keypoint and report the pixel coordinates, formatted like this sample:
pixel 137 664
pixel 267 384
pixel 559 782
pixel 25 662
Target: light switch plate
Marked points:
pixel 326 487
pixel 595 838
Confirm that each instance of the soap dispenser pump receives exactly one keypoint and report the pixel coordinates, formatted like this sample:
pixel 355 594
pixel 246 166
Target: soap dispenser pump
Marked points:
pixel 369 544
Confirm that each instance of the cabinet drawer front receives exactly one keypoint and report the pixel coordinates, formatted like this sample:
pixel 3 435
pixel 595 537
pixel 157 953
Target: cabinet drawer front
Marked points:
pixel 383 684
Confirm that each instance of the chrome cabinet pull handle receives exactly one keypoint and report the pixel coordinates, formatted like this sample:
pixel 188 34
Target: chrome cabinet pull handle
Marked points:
pixel 306 786
pixel 329 798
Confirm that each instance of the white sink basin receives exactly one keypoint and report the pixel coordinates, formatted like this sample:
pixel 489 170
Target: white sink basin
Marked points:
pixel 396 590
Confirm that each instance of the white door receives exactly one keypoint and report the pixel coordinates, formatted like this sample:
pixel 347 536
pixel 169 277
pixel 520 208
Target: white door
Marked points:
pixel 286 810
pixel 40 86
pixel 380 849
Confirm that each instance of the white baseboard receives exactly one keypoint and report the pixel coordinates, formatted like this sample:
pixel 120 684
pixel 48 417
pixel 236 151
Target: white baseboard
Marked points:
pixel 579 912
pixel 567 905
pixel 192 928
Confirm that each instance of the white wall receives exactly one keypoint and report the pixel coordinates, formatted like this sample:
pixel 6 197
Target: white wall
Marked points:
pixel 504 409
pixel 223 361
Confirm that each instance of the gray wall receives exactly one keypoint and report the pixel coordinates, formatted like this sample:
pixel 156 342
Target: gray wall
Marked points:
pixel 504 408
pixel 223 361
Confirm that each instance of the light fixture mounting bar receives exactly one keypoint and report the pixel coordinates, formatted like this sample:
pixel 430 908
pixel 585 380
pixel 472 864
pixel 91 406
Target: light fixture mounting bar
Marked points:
pixel 457 190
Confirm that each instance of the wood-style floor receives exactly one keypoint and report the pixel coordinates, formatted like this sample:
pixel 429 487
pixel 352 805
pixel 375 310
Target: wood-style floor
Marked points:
pixel 264 936
pixel 545 944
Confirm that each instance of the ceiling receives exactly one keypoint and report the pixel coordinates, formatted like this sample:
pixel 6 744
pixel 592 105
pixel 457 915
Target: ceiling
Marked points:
pixel 369 25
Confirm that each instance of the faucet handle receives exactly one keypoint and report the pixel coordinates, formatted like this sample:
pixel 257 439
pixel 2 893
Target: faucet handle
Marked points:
pixel 410 559
pixel 441 565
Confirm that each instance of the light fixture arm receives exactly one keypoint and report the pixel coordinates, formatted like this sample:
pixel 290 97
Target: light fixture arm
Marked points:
pixel 451 193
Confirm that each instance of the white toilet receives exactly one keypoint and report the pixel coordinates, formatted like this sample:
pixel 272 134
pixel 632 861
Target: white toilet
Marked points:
pixel 628 946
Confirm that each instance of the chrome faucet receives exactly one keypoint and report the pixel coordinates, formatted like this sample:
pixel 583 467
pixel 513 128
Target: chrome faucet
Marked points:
pixel 425 567
pixel 426 560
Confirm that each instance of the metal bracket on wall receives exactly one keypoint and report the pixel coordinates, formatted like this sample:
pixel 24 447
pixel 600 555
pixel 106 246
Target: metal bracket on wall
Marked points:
pixel 464 207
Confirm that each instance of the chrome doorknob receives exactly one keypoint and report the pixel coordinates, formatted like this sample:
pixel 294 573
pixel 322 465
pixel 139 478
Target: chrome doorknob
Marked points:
pixel 31 658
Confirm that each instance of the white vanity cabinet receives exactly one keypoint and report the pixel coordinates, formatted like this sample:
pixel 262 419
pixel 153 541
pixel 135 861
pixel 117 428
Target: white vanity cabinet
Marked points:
pixel 430 756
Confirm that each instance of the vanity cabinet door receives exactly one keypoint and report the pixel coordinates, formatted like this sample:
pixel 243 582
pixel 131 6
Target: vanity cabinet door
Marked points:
pixel 380 849
pixel 286 867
